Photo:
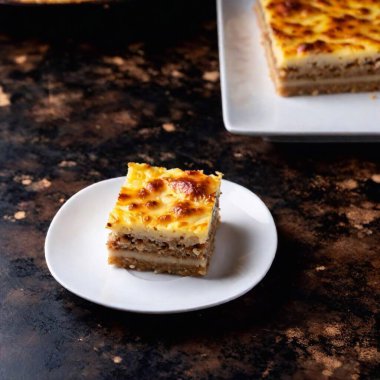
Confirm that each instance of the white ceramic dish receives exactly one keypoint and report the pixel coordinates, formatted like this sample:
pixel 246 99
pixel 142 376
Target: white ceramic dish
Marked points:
pixel 251 106
pixel 76 255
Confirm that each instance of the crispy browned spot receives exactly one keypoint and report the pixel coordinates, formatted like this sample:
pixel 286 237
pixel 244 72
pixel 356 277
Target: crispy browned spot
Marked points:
pixel 151 204
pixel 190 187
pixel 364 11
pixel 325 2
pixel 278 32
pixel 123 197
pixel 184 209
pixel 164 218
pixel 109 224
pixel 316 46
pixel 287 7
pixel 133 206
pixel 155 185
pixel 143 193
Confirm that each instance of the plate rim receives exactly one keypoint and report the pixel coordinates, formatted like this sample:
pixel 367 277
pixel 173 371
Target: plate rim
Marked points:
pixel 147 311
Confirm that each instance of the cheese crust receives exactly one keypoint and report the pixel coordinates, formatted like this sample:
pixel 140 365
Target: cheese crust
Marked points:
pixel 162 205
pixel 322 31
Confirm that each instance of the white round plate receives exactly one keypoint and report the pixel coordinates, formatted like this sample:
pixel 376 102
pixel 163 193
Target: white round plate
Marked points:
pixel 76 254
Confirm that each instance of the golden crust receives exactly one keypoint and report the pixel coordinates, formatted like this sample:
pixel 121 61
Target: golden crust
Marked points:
pixel 165 203
pixel 335 29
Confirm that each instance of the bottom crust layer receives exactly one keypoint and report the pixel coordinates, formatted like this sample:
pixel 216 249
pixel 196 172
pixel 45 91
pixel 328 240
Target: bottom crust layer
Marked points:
pixel 141 265
pixel 317 89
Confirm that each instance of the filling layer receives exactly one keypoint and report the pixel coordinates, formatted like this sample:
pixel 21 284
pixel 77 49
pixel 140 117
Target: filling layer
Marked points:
pixel 128 242
pixel 332 81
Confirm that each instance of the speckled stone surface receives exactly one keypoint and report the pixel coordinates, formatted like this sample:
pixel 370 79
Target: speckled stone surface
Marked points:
pixel 86 89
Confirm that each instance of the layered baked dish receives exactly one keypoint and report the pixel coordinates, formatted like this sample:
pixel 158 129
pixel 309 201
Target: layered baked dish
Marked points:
pixel 164 220
pixel 321 46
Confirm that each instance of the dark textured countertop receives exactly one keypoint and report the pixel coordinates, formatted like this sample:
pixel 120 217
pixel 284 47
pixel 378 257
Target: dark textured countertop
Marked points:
pixel 86 89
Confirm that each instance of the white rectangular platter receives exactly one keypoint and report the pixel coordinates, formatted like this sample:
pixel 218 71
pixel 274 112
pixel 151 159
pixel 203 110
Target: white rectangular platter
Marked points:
pixel 251 105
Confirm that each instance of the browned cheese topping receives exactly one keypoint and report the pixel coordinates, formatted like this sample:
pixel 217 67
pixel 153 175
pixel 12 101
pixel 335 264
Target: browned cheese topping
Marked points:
pixel 167 200
pixel 337 28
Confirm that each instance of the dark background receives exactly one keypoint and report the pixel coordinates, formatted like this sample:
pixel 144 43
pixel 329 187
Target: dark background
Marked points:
pixel 87 88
